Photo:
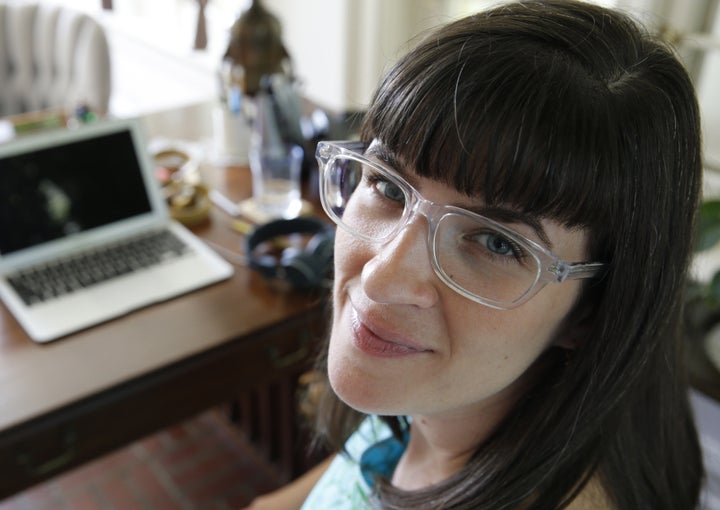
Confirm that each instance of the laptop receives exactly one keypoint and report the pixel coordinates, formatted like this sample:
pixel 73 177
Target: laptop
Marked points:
pixel 85 233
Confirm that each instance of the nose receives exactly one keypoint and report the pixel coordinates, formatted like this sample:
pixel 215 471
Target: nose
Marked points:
pixel 400 271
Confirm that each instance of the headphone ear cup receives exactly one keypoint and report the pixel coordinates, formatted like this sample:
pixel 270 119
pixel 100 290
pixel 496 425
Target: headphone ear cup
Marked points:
pixel 308 268
pixel 322 246
pixel 290 253
pixel 265 264
pixel 304 271
pixel 315 243
pixel 302 268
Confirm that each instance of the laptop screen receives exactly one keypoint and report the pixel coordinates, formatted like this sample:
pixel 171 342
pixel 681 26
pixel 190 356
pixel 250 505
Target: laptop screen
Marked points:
pixel 69 188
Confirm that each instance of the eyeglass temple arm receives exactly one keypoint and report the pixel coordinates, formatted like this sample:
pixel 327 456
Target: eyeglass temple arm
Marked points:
pixel 562 271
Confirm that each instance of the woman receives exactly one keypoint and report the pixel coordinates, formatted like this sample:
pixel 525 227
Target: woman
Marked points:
pixel 509 274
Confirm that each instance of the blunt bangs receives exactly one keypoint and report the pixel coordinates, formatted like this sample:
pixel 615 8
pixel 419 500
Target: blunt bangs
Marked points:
pixel 513 112
pixel 513 135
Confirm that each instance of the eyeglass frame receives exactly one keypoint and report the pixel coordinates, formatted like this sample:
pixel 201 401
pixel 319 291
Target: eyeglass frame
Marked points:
pixel 551 268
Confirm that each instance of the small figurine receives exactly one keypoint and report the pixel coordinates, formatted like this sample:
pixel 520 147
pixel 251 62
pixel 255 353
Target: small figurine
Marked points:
pixel 256 46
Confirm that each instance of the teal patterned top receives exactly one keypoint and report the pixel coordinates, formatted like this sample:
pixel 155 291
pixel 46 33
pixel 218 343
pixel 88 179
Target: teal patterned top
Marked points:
pixel 348 483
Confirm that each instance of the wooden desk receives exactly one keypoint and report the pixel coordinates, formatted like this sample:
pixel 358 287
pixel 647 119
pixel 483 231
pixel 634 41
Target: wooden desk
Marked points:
pixel 71 400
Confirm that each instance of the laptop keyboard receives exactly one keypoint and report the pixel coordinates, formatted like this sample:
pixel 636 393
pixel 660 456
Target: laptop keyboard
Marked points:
pixel 41 283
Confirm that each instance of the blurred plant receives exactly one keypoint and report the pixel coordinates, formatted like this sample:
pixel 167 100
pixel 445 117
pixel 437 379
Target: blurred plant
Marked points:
pixel 703 297
pixel 709 237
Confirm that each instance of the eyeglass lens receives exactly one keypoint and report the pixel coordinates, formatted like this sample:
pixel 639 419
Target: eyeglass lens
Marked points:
pixel 470 253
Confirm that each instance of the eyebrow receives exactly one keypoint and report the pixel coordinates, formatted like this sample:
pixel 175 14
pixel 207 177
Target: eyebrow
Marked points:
pixel 378 150
pixel 381 152
pixel 499 214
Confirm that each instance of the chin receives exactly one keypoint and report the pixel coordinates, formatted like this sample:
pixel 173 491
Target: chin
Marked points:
pixel 360 390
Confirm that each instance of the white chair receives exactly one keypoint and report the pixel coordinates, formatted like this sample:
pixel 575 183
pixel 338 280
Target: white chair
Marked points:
pixel 51 57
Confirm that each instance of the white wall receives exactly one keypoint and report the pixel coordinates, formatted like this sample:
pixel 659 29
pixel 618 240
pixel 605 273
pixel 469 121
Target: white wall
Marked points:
pixel 314 34
pixel 708 86
pixel 340 47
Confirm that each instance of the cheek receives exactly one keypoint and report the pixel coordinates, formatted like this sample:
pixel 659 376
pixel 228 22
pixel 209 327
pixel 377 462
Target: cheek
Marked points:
pixel 539 323
pixel 507 342
pixel 351 255
pixel 497 346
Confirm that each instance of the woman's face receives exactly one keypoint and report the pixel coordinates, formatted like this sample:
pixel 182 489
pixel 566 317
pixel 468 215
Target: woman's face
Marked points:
pixel 403 343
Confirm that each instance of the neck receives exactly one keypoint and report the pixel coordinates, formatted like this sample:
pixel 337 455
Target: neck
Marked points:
pixel 440 445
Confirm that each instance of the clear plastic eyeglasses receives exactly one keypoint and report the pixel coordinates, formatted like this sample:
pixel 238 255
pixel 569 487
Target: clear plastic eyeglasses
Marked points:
pixel 477 257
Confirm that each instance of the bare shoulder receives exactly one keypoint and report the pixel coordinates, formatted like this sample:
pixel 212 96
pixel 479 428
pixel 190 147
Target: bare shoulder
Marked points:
pixel 592 497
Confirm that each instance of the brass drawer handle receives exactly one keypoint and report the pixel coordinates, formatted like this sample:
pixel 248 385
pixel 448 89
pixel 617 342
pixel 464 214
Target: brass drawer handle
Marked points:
pixel 53 464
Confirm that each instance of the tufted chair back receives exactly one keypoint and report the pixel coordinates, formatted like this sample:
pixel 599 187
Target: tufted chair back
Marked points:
pixel 51 57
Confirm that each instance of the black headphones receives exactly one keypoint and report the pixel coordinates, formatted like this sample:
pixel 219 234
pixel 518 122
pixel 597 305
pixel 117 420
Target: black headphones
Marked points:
pixel 303 268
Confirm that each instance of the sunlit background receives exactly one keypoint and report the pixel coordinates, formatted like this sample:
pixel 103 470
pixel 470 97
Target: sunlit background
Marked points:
pixel 341 47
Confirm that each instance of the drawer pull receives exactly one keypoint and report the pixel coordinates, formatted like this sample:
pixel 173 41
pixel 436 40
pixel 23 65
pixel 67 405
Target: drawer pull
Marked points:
pixel 33 468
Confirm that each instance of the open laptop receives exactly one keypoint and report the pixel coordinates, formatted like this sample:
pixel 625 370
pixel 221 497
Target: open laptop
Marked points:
pixel 85 234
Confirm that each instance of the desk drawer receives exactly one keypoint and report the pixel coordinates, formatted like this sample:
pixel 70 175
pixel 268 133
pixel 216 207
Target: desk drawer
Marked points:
pixel 38 455
pixel 37 450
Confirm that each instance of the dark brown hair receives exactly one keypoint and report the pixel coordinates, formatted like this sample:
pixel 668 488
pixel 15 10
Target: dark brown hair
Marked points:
pixel 572 112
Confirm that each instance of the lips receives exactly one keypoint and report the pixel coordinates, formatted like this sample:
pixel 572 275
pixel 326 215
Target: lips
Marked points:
pixel 376 340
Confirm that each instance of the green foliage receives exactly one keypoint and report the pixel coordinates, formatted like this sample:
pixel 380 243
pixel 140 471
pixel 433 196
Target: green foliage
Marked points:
pixel 708 237
pixel 709 234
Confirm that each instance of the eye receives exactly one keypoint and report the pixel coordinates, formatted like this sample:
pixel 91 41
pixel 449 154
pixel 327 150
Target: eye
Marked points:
pixel 386 188
pixel 496 246
pixel 391 191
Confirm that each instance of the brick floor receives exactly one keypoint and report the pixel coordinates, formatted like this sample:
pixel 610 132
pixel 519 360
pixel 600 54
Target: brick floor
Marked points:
pixel 202 464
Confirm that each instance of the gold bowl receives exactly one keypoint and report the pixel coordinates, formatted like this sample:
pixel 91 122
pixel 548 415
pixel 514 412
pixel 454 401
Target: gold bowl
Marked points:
pixel 188 203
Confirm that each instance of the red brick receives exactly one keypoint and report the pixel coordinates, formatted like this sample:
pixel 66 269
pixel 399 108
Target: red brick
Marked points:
pixel 183 454
pixel 203 468
pixel 40 497
pixel 83 500
pixel 151 446
pixel 229 481
pixel 152 492
pixel 9 504
pixel 97 470
pixel 117 493
pixel 179 433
